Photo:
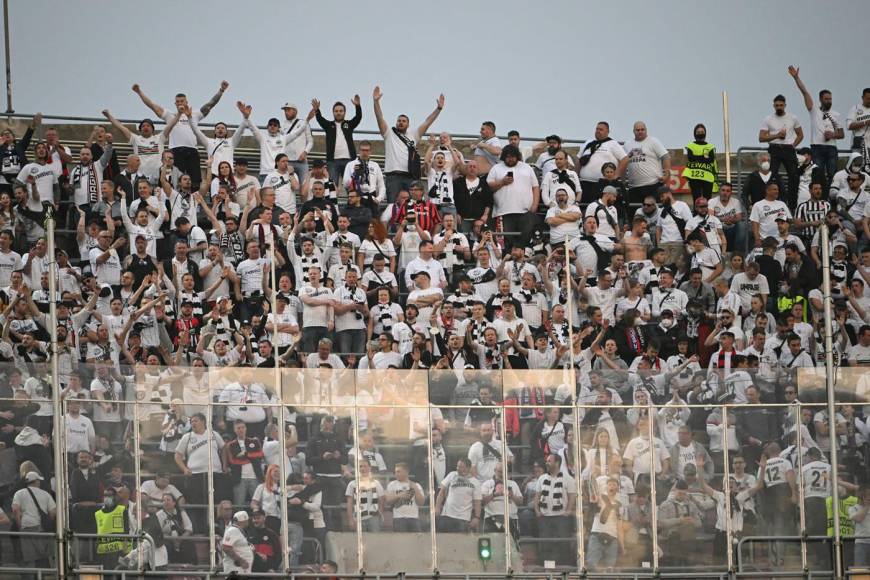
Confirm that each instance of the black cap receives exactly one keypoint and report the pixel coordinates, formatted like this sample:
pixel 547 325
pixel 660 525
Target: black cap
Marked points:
pixel 318 163
pixel 240 161
pixel 274 121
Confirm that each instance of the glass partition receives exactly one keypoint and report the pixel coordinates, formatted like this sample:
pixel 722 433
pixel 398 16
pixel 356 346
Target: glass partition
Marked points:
pixel 467 470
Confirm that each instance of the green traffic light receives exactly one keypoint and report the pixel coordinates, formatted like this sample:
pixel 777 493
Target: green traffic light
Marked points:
pixel 484 549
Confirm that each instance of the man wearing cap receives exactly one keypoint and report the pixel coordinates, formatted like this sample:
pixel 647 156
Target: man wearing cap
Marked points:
pixel 297 148
pixel 649 165
pixel 29 506
pixel 273 141
pixel 147 147
pixel 402 160
pixel 182 140
pixel 265 543
pixel 425 296
pixel 516 195
pixel 238 552
pixel 244 183
pixel 425 262
pixel 606 213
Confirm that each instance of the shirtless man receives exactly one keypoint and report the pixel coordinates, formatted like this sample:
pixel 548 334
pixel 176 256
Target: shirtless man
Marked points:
pixel 636 244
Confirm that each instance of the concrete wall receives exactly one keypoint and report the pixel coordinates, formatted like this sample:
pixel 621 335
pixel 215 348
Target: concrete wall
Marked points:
pixel 413 552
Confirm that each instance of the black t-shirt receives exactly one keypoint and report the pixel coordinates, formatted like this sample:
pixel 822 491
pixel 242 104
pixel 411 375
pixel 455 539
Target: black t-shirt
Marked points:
pixel 471 205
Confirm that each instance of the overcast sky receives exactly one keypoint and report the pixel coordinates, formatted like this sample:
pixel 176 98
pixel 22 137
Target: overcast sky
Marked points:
pixel 539 67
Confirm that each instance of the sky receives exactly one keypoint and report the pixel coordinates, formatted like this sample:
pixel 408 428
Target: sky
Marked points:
pixel 540 68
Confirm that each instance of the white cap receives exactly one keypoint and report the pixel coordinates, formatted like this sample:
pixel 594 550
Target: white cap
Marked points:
pixel 32 476
pixel 289 105
pixel 241 516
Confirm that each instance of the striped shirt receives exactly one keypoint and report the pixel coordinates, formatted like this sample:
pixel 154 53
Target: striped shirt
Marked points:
pixel 811 211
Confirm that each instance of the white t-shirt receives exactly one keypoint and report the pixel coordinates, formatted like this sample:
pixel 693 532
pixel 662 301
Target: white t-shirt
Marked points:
pixel 775 123
pixel 282 183
pixel 644 161
pixel 396 152
pixel 495 508
pixel 670 230
pixel 150 152
pixel 8 263
pixel 857 114
pixel 193 447
pixel 745 288
pixel 516 197
pixel 403 508
pixel 604 299
pixel 609 152
pixel 764 213
pixel 559 232
pixel 775 472
pixel 182 135
pixel 251 275
pixel 725 210
pixel 236 539
pixel 707 260
pixel 349 320
pixel 484 460
pixel 461 494
pixel 821 121
pixel 45 177
pixel 29 514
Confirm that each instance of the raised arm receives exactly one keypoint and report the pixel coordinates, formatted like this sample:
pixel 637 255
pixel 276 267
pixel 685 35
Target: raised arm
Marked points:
pixel 158 110
pixel 379 115
pixel 432 116
pixel 795 74
pixel 206 108
pixel 127 133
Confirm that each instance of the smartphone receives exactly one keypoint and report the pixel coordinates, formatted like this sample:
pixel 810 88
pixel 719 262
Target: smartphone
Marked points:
pixel 510 174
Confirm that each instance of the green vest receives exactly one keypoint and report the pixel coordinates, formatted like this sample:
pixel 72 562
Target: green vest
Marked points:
pixel 847 526
pixel 701 163
pixel 111 523
pixel 784 304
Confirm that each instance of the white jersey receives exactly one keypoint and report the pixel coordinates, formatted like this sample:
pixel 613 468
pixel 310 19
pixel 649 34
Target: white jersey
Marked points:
pixel 776 471
pixel 817 479
pixel 462 492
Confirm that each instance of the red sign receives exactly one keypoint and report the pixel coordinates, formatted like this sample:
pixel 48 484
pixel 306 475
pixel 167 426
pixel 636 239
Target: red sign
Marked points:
pixel 678 183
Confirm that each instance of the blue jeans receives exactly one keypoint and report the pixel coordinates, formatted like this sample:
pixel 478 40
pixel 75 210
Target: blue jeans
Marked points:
pixel 825 156
pixel 336 171
pixel 294 540
pixel 603 551
pixel 301 170
pixel 396 182
pixel 348 341
pixel 735 235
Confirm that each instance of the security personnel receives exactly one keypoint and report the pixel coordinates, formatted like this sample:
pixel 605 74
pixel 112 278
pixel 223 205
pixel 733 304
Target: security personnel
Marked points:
pixel 111 519
pixel 701 168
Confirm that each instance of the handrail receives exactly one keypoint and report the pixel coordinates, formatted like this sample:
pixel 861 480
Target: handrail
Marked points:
pixel 758 149
pixel 314 128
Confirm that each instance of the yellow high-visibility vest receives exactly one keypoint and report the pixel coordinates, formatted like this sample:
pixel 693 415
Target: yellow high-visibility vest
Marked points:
pixel 111 523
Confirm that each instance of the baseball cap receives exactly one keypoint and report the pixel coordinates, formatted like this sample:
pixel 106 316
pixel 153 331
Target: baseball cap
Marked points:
pixel 289 105
pixel 423 272
pixel 609 189
pixel 781 218
pixel 274 121
pixel 32 476
pixel 240 161
pixel 241 516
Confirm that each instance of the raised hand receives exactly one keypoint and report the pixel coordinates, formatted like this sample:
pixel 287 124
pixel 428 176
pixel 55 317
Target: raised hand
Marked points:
pixel 794 71
pixel 355 100
pixel 441 101
pixel 377 93
pixel 315 104
pixel 224 86
pixel 136 88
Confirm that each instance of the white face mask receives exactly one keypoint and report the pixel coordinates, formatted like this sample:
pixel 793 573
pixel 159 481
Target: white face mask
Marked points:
pixel 765 166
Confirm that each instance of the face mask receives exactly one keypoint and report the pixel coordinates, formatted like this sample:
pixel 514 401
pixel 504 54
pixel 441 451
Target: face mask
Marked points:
pixel 109 502
pixel 700 136
pixel 765 166
pixel 667 322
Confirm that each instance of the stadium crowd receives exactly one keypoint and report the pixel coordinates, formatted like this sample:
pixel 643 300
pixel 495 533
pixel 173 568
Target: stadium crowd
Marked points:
pixel 442 262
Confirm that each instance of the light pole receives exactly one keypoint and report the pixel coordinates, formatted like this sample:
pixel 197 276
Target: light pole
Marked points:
pixel 9 109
